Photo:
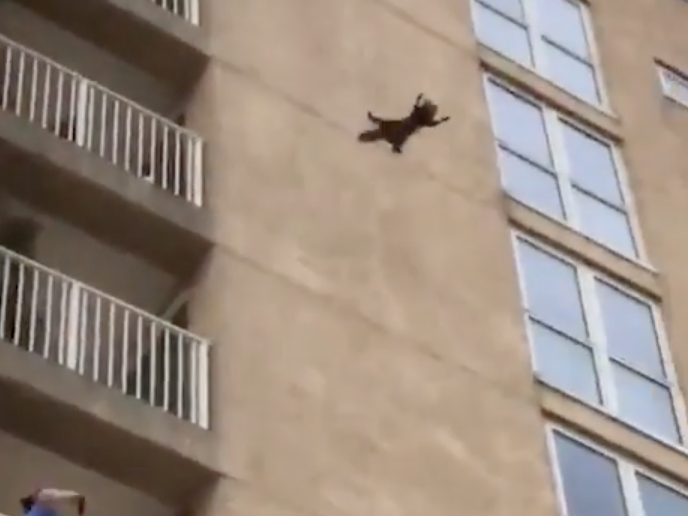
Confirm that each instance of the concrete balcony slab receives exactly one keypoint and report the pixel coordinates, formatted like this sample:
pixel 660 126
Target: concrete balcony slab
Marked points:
pixel 101 429
pixel 161 37
pixel 101 198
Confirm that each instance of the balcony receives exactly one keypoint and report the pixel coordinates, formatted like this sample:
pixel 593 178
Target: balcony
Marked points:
pixel 103 384
pixel 133 178
pixel 162 37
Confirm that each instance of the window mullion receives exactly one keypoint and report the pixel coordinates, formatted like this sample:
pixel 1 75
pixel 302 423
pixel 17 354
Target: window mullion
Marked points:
pixel 595 58
pixel 677 399
pixel 593 314
pixel 629 204
pixel 534 34
pixel 523 292
pixel 665 78
pixel 560 161
pixel 630 489
pixel 559 491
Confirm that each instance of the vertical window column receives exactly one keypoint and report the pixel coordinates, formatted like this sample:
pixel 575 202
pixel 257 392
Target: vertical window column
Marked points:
pixel 598 342
pixel 561 169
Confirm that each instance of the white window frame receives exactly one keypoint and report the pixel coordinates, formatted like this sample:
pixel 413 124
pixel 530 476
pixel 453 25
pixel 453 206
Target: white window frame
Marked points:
pixel 553 121
pixel 666 75
pixel 627 469
pixel 586 279
pixel 532 23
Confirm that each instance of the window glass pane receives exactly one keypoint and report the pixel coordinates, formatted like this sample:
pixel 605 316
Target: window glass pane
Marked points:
pixel 531 185
pixel 590 480
pixel 511 8
pixel 659 500
pixel 605 224
pixel 562 22
pixel 519 124
pixel 503 35
pixel 630 331
pixel 565 364
pixel 575 76
pixel 592 165
pixel 551 291
pixel 676 87
pixel 645 404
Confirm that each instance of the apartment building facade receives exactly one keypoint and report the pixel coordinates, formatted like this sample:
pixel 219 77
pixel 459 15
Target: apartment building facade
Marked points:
pixel 214 300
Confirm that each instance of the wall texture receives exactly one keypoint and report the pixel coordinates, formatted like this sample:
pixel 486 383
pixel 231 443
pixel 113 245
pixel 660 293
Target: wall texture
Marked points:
pixel 370 356
pixel 370 352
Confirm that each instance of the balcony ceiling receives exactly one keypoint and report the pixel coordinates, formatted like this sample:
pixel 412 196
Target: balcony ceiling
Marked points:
pixel 141 32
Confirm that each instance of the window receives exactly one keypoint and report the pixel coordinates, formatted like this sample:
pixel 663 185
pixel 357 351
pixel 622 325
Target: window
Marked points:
pixel 596 341
pixel 593 482
pixel 559 169
pixel 674 85
pixel 550 37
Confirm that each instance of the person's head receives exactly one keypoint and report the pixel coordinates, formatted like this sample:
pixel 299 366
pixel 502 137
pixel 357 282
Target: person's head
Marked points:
pixel 57 500
pixel 28 501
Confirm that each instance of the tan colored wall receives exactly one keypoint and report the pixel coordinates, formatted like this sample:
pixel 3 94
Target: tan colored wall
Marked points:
pixel 370 354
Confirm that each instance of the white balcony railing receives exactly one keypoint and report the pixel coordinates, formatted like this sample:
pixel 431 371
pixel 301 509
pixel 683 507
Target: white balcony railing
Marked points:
pixel 103 339
pixel 77 109
pixel 185 9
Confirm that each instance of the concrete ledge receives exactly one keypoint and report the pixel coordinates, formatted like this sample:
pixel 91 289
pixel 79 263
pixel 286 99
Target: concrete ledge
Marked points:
pixel 550 94
pixel 137 31
pixel 613 433
pixel 89 192
pixel 104 430
pixel 579 246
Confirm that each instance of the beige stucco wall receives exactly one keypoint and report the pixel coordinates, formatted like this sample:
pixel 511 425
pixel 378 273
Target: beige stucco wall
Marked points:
pixel 363 305
pixel 370 349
